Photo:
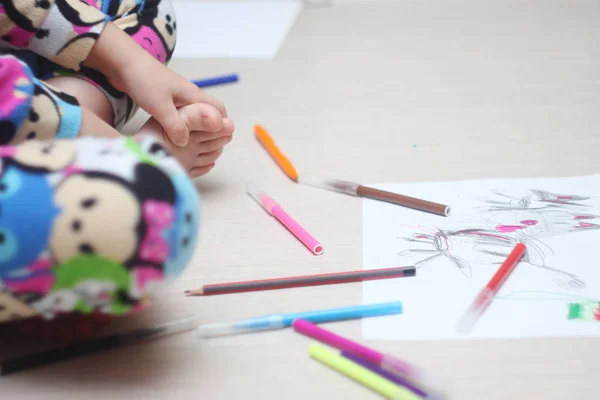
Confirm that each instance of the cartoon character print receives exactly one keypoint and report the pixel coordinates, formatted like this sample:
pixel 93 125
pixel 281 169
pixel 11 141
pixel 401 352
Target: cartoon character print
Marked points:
pixel 128 8
pixel 32 283
pixel 122 106
pixel 43 120
pixel 131 239
pixel 104 215
pixel 20 21
pixel 69 47
pixel 157 152
pixel 34 110
pixel 29 275
pixel 111 156
pixel 106 242
pixel 184 234
pixel 165 24
pixel 120 157
pixel 154 28
pixel 95 211
pixel 82 14
pixel 16 89
pixel 86 284
pixel 45 156
pixel 70 113
pixel 25 195
pixel 145 280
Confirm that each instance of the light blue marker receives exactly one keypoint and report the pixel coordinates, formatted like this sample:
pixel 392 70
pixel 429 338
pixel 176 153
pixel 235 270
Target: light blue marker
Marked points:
pixel 280 321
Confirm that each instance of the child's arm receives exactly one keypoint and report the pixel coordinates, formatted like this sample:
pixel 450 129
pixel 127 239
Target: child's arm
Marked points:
pixel 74 34
pixel 154 87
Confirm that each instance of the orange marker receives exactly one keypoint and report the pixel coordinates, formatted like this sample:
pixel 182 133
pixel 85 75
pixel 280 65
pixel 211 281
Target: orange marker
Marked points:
pixel 269 144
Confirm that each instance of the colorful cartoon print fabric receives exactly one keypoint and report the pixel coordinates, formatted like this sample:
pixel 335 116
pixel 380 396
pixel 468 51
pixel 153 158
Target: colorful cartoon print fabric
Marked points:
pixel 91 225
pixel 54 38
pixel 32 110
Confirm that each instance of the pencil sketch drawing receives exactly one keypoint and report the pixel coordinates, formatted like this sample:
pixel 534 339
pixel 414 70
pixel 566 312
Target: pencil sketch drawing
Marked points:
pixel 502 221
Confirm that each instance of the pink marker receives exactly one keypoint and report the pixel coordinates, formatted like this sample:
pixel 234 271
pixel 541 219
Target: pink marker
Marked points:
pixel 429 384
pixel 275 210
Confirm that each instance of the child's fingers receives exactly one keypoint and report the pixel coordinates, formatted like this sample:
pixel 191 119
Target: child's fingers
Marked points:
pixel 174 126
pixel 192 94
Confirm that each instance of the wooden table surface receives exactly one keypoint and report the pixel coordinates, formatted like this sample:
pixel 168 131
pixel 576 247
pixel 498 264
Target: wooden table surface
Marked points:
pixel 372 91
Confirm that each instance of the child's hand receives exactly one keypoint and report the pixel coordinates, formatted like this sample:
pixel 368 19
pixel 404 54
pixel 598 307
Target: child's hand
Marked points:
pixel 160 91
pixel 155 88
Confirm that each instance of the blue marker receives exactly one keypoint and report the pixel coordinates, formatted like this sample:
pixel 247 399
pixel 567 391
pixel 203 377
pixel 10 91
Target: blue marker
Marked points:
pixel 280 321
pixel 218 80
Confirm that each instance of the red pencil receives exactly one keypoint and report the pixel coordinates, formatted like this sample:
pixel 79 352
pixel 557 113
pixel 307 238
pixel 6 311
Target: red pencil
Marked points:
pixel 306 280
pixel 485 297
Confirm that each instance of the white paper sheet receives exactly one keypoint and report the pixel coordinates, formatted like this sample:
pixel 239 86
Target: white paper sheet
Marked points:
pixel 237 29
pixel 562 266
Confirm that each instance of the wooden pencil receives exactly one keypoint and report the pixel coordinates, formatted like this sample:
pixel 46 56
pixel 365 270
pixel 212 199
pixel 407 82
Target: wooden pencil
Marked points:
pixel 301 281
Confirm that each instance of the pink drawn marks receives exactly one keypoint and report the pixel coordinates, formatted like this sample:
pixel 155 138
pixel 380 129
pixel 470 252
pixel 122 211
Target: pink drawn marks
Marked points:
pixel 509 228
pixel 559 197
pixel 586 225
pixel 513 228
pixel 529 222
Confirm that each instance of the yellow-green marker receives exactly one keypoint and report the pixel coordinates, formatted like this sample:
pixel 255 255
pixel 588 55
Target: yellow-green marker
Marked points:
pixel 360 374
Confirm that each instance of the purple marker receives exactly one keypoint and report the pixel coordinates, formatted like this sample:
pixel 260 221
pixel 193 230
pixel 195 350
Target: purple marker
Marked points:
pixel 397 380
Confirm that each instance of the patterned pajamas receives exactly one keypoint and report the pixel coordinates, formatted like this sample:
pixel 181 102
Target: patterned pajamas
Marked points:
pixel 86 225
pixel 91 225
pixel 53 38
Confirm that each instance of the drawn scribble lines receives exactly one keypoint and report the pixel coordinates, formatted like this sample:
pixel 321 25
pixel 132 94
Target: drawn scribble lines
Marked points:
pixel 505 221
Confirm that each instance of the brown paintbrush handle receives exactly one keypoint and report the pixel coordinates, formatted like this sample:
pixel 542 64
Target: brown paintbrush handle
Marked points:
pixel 406 201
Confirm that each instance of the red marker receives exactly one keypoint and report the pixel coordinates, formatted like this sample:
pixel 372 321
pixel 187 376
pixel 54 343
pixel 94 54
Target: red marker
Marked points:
pixel 485 297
